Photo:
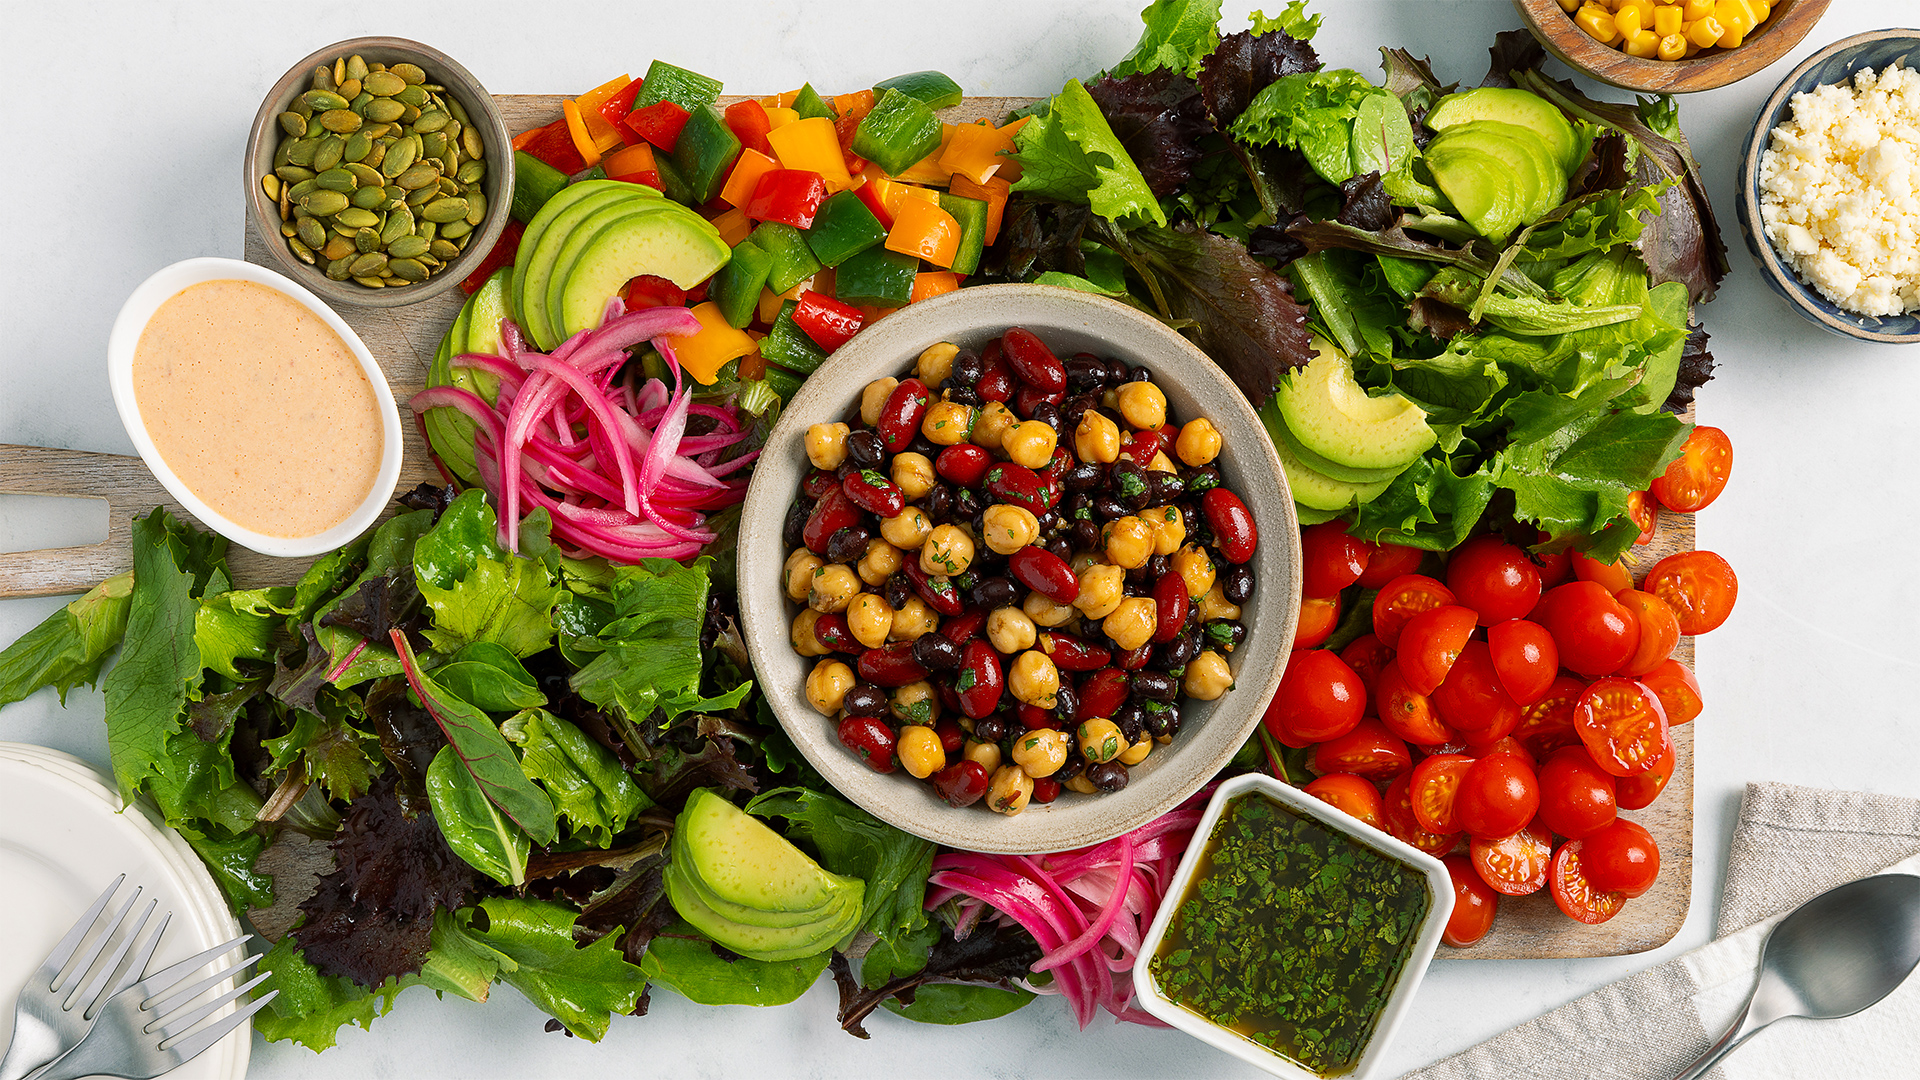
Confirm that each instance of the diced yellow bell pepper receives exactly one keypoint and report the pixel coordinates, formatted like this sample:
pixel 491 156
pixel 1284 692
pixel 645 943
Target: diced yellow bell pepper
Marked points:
pixel 779 117
pixel 928 170
pixel 600 95
pixel 933 284
pixel 974 152
pixel 923 230
pixel 1672 47
pixel 733 223
pixel 747 171
pixel 582 140
pixel 813 145
pixel 703 354
pixel 893 194
pixel 784 101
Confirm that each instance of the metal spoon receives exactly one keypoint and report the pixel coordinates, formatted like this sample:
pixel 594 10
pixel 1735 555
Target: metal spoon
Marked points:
pixel 1835 955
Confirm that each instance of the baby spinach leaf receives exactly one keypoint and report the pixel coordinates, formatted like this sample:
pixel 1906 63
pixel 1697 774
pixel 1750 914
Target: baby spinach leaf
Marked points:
pixel 69 647
pixel 533 942
pixel 592 791
pixel 474 828
pixel 683 961
pixel 488 675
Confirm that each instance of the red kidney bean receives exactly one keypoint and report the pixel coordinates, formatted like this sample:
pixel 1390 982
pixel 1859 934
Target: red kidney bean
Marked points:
pixel 818 482
pixel 1057 469
pixel 891 665
pixel 1170 603
pixel 1051 489
pixel 938 592
pixel 1027 401
pixel 871 739
pixel 964 464
pixel 949 697
pixel 1045 573
pixel 996 378
pixel 1033 717
pixel 1045 790
pixel 1033 361
pixel 1142 445
pixel 964 627
pixel 1069 653
pixel 1019 485
pixel 961 784
pixel 872 491
pixel 980 680
pixel 831 630
pixel 900 417
pixel 832 513
pixel 952 736
pixel 1134 659
pixel 1233 530
pixel 1101 694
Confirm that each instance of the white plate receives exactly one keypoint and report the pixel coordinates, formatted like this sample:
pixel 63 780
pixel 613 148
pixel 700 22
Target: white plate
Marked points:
pixel 62 839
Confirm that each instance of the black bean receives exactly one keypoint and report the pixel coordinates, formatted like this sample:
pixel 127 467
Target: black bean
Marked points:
pixel 1131 719
pixel 1167 487
pixel 1204 478
pixel 1157 686
pixel 924 447
pixel 1136 583
pixel 1085 371
pixel 1178 652
pixel 1225 635
pixel 865 699
pixel 966 395
pixel 848 544
pixel 1075 765
pixel 994 592
pixel 793 531
pixel 1157 719
pixel 1108 776
pixel 848 468
pixel 1061 548
pixel 1047 413
pixel 1065 700
pixel 935 652
pixel 1159 566
pixel 967 369
pixel 1128 483
pixel 989 729
pixel 1075 409
pixel 1116 372
pixel 899 589
pixel 865 449
pixel 1086 535
pixel 1237 585
pixel 1106 508
pixel 938 503
pixel 967 503
pixel 1139 374
pixel 1084 476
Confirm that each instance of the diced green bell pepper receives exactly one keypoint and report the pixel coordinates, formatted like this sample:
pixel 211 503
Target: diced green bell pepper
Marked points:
pixel 672 183
pixel 789 346
pixel 931 88
pixel 736 287
pixel 809 104
pixel 783 382
pixel 705 153
pixel 972 216
pixel 876 277
pixel 844 227
pixel 899 131
pixel 684 88
pixel 793 261
pixel 534 182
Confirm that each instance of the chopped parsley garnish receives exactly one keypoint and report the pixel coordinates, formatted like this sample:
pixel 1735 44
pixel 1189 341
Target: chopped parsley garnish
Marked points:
pixel 1131 484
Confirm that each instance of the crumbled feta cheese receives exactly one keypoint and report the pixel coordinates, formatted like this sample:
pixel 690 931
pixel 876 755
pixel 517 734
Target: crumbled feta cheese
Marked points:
pixel 1840 191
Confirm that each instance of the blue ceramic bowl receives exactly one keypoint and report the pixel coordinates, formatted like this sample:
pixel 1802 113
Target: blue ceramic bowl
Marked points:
pixel 1834 64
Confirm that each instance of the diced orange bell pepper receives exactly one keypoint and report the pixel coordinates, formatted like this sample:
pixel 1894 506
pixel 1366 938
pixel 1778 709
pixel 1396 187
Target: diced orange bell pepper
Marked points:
pixel 924 230
pixel 633 164
pixel 857 104
pixel 812 145
pixel 933 284
pixel 785 100
pixel 753 365
pixel 974 152
pixel 601 130
pixel 994 193
pixel 577 128
pixel 893 194
pixel 747 171
pixel 872 315
pixel 1010 170
pixel 603 93
pixel 703 354
pixel 734 225
pixel 928 170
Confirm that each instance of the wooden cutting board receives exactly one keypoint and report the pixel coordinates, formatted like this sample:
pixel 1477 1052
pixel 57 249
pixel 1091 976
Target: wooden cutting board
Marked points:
pixel 404 340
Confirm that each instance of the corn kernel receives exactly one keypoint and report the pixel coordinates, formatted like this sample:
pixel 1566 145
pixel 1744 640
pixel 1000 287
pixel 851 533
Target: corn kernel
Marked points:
pixel 1627 22
pixel 1695 10
pixel 1761 9
pixel 1569 6
pixel 1672 47
pixel 1643 44
pixel 1735 16
pixel 1644 7
pixel 1598 23
pixel 1731 38
pixel 1666 21
pixel 1706 32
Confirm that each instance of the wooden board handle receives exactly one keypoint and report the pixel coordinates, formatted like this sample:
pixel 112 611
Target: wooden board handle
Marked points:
pixel 122 482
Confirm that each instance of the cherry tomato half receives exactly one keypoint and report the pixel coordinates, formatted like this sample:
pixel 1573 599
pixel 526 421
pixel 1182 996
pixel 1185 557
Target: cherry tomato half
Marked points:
pixel 1699 586
pixel 1699 474
pixel 1367 655
pixel 1388 561
pixel 1436 783
pixel 1514 865
pixel 1430 643
pixel 1573 893
pixel 1645 512
pixel 1547 724
pixel 1405 827
pixel 1638 792
pixel 1677 689
pixel 1497 796
pixel 1401 599
pixel 1474 904
pixel 1494 578
pixel 1330 560
pixel 1408 713
pixel 1525 658
pixel 1576 796
pixel 1659 631
pixel 1319 698
pixel 1622 726
pixel 1355 797
pixel 1595 632
pixel 1319 616
pixel 1472 701
pixel 1369 750
pixel 1622 858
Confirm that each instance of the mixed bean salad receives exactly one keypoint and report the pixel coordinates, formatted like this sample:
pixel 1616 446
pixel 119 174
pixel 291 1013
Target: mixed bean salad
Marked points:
pixel 1012 568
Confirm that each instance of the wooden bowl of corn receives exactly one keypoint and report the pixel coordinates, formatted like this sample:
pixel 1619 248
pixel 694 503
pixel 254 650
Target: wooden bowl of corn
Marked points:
pixel 1669 46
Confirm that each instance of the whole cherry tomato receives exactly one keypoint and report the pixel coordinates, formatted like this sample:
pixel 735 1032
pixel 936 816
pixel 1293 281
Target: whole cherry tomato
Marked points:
pixel 1638 792
pixel 1576 796
pixel 1358 798
pixel 1614 575
pixel 1319 698
pixel 1472 701
pixel 1497 796
pixel 1474 904
pixel 1408 713
pixel 1369 750
pixel 1699 586
pixel 1525 658
pixel 1330 560
pixel 1699 474
pixel 1494 578
pixel 1505 745
pixel 1436 786
pixel 1388 561
pixel 1319 616
pixel 1622 858
pixel 1659 631
pixel 1595 632
pixel 1622 726
pixel 1677 689
pixel 1367 655
pixel 1401 599
pixel 1430 643
pixel 1514 865
pixel 1573 893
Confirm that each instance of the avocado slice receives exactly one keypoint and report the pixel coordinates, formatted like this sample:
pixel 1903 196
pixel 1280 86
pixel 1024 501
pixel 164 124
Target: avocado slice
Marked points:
pixel 849 893
pixel 537 228
pixel 755 942
pixel 1329 413
pixel 475 330
pixel 1318 491
pixel 741 860
pixel 678 245
pixel 1278 431
pixel 1498 175
pixel 1512 106
pixel 567 252
pixel 1309 516
pixel 531 276
pixel 485 308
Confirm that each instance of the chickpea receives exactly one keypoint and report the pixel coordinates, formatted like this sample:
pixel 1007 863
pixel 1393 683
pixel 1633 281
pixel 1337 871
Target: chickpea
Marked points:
pixel 948 551
pixel 1082 785
pixel 913 620
pixel 1137 753
pixel 1101 590
pixel 1083 559
pixel 881 562
pixel 1097 439
pixel 936 363
pixel 913 474
pixel 1131 624
pixel 1041 753
pixel 1009 528
pixel 947 423
pixel 834 587
pixel 1129 542
pixel 992 425
pixel 915 703
pixel 1196 569
pixel 870 618
pixel 1100 740
pixel 1034 680
pixel 919 751
pixel 799 573
pixel 1010 630
pixel 804 641
pixel 1009 790
pixel 1162 463
pixel 1207 676
pixel 1142 405
pixel 827 686
pixel 908 530
pixel 1213 604
pixel 986 753
pixel 827 445
pixel 1044 612
pixel 1169 528
pixel 1199 442
pixel 874 398
pixel 1030 443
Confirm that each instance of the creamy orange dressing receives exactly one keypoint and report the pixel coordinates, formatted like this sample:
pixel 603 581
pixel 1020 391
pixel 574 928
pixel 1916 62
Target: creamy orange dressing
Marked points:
pixel 258 407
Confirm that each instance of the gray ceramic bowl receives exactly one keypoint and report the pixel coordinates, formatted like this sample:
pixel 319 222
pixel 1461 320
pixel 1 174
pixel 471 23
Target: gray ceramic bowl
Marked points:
pixel 442 70
pixel 1834 64
pixel 1069 322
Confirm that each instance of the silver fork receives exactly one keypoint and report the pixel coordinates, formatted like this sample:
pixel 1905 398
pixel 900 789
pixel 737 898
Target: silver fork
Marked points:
pixel 55 1010
pixel 147 1028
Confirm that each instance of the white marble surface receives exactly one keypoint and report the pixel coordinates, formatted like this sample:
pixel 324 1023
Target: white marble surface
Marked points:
pixel 125 123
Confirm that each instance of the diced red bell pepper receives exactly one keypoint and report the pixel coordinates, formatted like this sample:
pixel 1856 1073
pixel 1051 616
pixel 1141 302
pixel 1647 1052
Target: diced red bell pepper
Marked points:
pixel 790 196
pixel 553 145
pixel 616 108
pixel 658 123
pixel 869 193
pixel 827 321
pixel 749 122
pixel 502 255
pixel 648 291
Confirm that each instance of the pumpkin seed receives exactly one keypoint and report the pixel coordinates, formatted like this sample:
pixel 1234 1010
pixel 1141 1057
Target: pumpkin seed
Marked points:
pixel 337 270
pixel 454 128
pixel 383 84
pixel 360 101
pixel 421 175
pixel 293 124
pixel 369 264
pixel 471 142
pixel 445 211
pixel 476 207
pixel 399 227
pixel 366 241
pixel 376 154
pixel 271 185
pixel 357 146
pixel 338 247
pixel 384 110
pixel 329 153
pixel 367 177
pixel 459 111
pixel 412 95
pixel 289 229
pixel 341 121
pixel 408 269
pixel 433 143
pixel 422 196
pixel 443 249
pixel 301 250
pixel 299 191
pixel 293 174
pixel 400 157
pixel 471 172
pixel 406 247
pixel 323 77
pixel 371 282
pixel 350 89
pixel 286 201
pixel 311 233
pixel 337 180
pixel 305 110
pixel 396 195
pixel 369 198
pixel 412 114
pixel 323 101
pixel 356 67
pixel 410 72
pixel 455 229
pixel 323 203
pixel 431 121
pixel 427 231
pixel 301 152
pixel 281 153
pixel 355 218
pixel 339 70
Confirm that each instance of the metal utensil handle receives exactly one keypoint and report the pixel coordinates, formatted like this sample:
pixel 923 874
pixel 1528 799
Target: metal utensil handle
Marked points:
pixel 1740 1032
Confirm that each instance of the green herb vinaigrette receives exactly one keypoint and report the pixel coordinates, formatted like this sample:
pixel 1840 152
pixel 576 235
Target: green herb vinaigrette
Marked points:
pixel 1291 934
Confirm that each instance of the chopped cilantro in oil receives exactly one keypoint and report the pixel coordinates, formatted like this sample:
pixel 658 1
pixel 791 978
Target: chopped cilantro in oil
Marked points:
pixel 1291 935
